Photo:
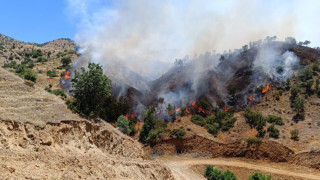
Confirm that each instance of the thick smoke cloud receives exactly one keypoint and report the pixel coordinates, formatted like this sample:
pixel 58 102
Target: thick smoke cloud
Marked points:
pixel 137 41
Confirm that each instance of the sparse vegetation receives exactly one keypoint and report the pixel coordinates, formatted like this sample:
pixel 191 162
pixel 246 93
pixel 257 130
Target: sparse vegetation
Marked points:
pixel 178 133
pixel 253 141
pixel 305 74
pixel 275 120
pixel 52 73
pixel 212 173
pixel 259 176
pixel 295 134
pixel 273 132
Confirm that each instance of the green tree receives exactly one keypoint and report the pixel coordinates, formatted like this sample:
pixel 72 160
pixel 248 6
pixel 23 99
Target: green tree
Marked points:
pixel 308 85
pixel 30 75
pixel 123 124
pixel 179 133
pixel 298 105
pixel 149 124
pixel 90 89
pixel 66 61
pixel 275 120
pixel 305 74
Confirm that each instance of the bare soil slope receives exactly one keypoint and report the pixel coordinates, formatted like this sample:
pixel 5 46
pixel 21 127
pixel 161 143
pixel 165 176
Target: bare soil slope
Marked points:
pixel 41 139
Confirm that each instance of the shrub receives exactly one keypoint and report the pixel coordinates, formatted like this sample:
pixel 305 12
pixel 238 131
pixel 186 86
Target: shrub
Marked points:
pixel 275 120
pixel 315 67
pixel 273 132
pixel 298 105
pixel 59 92
pixel 288 84
pixel 294 92
pixel 65 61
pixel 254 119
pixel 52 73
pixel 259 176
pixel 204 104
pixel 213 128
pixel 36 53
pixel 30 75
pixel 123 124
pixel 91 89
pixel 42 59
pixel 179 133
pixel 253 140
pixel 212 173
pixel 220 103
pixel 295 134
pixel 261 133
pixel 305 74
pixel 199 120
pixel 12 64
pixel 152 128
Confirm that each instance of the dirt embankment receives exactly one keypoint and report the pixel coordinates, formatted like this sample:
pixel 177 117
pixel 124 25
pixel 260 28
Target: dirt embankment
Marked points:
pixel 73 150
pixel 199 146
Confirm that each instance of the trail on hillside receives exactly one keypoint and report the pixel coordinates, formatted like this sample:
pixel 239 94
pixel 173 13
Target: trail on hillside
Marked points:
pixel 182 167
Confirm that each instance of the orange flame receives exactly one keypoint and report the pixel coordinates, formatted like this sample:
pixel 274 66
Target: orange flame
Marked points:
pixel 170 113
pixel 226 109
pixel 178 110
pixel 132 116
pixel 187 111
pixel 194 103
pixel 67 76
pixel 212 113
pixel 201 110
pixel 127 116
pixel 251 98
pixel 265 90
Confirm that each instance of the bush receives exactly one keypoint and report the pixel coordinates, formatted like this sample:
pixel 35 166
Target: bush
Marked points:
pixel 308 84
pixel 298 105
pixel 315 67
pixel 36 53
pixel 199 120
pixel 123 124
pixel 273 132
pixel 59 92
pixel 261 133
pixel 305 74
pixel 65 61
pixel 30 75
pixel 212 173
pixel 295 134
pixel 152 128
pixel 254 119
pixel 294 92
pixel 253 140
pixel 213 128
pixel 91 89
pixel 259 176
pixel 275 120
pixel 12 64
pixel 204 104
pixel 52 73
pixel 220 103
pixel 41 59
pixel 179 133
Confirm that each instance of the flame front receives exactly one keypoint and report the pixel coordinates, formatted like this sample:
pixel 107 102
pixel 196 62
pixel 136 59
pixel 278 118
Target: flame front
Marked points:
pixel 178 110
pixel 201 110
pixel 67 76
pixel 251 98
pixel 265 90
pixel 226 109
pixel 194 103
pixel 187 111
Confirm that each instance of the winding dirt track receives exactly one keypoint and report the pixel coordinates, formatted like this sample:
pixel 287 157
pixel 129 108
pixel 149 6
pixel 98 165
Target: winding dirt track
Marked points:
pixel 182 167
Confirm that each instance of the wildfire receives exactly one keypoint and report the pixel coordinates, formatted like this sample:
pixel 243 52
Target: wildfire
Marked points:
pixel 178 110
pixel 170 113
pixel 201 110
pixel 226 109
pixel 212 113
pixel 67 76
pixel 187 111
pixel 194 103
pixel 251 98
pixel 127 116
pixel 265 90
pixel 132 116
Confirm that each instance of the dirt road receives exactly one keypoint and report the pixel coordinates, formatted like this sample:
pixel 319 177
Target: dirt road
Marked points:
pixel 192 168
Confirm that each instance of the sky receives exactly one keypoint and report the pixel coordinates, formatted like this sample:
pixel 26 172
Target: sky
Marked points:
pixel 36 21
